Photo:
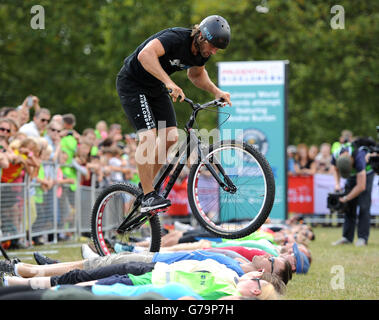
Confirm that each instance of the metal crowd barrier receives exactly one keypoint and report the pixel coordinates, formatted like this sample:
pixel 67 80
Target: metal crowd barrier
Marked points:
pixel 26 211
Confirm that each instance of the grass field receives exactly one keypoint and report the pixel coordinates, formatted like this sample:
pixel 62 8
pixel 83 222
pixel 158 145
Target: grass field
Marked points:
pixel 336 273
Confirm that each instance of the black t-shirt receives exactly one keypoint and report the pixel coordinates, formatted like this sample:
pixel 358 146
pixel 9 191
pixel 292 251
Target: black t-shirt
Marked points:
pixel 178 56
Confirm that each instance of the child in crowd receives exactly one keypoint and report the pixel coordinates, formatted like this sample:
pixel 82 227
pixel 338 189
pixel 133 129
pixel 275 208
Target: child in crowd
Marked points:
pixel 101 130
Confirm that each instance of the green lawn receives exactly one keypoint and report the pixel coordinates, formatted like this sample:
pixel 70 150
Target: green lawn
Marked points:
pixel 357 269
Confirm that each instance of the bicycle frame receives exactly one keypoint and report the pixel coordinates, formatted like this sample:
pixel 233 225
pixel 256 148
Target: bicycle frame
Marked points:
pixel 180 159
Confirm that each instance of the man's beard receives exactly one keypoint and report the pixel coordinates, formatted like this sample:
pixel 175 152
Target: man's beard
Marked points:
pixel 198 46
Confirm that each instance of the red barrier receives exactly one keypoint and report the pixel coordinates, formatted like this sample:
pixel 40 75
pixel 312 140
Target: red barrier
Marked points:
pixel 179 201
pixel 300 194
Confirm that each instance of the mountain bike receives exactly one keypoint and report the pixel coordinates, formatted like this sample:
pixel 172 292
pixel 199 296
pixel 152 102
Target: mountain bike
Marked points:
pixel 231 191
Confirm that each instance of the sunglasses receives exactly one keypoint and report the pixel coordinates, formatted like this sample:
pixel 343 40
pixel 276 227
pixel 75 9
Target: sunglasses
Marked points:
pixel 259 282
pixel 44 120
pixel 272 260
pixel 5 129
pixel 55 130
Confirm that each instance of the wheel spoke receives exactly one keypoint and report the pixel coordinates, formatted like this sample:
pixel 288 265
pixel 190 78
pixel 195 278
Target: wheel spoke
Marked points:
pixel 110 209
pixel 224 212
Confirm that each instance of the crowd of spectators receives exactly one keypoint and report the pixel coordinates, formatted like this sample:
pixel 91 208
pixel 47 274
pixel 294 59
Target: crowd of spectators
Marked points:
pixel 306 159
pixel 47 149
pixel 309 160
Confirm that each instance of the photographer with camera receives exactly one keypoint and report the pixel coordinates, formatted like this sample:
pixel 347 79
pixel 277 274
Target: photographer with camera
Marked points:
pixel 349 162
pixel 372 157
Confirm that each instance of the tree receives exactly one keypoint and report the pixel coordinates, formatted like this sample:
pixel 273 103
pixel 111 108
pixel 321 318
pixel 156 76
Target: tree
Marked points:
pixel 72 64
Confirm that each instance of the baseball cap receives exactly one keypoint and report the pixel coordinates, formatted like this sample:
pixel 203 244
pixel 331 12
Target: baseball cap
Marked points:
pixel 344 166
pixel 302 261
pixel 291 149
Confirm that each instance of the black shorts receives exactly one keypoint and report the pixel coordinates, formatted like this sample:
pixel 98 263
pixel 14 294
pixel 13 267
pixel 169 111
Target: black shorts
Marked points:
pixel 144 110
pixel 76 276
pixel 195 235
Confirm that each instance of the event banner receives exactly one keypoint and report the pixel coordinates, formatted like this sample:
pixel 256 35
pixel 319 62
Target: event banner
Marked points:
pixel 308 194
pixel 258 115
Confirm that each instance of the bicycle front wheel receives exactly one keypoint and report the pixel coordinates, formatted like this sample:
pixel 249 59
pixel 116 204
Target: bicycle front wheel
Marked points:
pixel 235 213
pixel 111 208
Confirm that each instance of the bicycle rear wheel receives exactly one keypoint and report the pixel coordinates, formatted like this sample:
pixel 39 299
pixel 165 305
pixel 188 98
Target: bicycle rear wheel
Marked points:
pixel 111 207
pixel 238 213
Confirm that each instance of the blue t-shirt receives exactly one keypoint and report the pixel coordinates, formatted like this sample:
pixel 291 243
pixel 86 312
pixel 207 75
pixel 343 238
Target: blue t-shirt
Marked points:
pixel 291 165
pixel 172 291
pixel 171 257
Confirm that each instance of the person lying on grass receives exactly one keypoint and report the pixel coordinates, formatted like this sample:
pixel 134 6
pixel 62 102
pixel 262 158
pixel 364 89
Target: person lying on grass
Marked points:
pixel 275 266
pixel 208 278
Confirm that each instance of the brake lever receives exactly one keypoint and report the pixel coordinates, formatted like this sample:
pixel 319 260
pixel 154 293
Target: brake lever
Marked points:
pixel 221 103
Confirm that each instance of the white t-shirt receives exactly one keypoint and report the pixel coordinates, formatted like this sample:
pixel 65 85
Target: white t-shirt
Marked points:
pixel 30 129
pixel 116 175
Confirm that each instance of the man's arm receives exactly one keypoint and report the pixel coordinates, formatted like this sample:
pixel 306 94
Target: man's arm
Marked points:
pixel 149 58
pixel 358 188
pixel 337 178
pixel 4 161
pixel 199 77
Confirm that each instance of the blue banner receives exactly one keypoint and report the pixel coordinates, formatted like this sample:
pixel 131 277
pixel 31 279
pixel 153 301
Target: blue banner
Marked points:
pixel 258 116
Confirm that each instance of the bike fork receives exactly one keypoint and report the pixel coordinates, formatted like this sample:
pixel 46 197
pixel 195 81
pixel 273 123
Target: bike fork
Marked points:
pixel 230 187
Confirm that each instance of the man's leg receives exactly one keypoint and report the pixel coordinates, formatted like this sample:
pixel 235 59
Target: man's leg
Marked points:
pixel 350 220
pixel 34 283
pixel 350 216
pixel 167 137
pixel 151 153
pixel 30 270
pixel 171 238
pixel 77 276
pixel 364 202
pixel 145 158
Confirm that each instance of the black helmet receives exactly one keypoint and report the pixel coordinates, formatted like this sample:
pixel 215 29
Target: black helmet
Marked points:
pixel 216 30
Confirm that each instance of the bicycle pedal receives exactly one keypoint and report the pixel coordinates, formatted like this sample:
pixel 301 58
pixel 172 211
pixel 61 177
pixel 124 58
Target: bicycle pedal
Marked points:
pixel 160 210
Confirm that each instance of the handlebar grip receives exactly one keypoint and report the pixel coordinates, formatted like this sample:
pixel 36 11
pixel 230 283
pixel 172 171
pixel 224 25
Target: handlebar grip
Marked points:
pixel 179 97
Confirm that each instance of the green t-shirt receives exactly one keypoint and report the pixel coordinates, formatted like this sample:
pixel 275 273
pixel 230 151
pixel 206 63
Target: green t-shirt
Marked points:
pixel 69 145
pixel 98 134
pixel 335 146
pixel 135 180
pixel 257 235
pixel 38 196
pixel 141 279
pixel 204 283
pixel 94 151
pixel 247 243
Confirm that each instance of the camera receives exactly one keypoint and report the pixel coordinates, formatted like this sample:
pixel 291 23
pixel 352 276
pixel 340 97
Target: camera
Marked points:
pixel 334 204
pixel 371 147
pixel 374 160
pixel 30 101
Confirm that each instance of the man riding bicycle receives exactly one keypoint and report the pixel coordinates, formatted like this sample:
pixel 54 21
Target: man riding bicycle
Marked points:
pixel 144 86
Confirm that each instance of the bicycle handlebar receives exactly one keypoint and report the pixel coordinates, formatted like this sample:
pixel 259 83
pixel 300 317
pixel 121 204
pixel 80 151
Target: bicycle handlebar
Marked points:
pixel 217 102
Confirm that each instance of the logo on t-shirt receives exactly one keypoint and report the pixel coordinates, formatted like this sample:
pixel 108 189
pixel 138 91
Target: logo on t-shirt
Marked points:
pixel 176 63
